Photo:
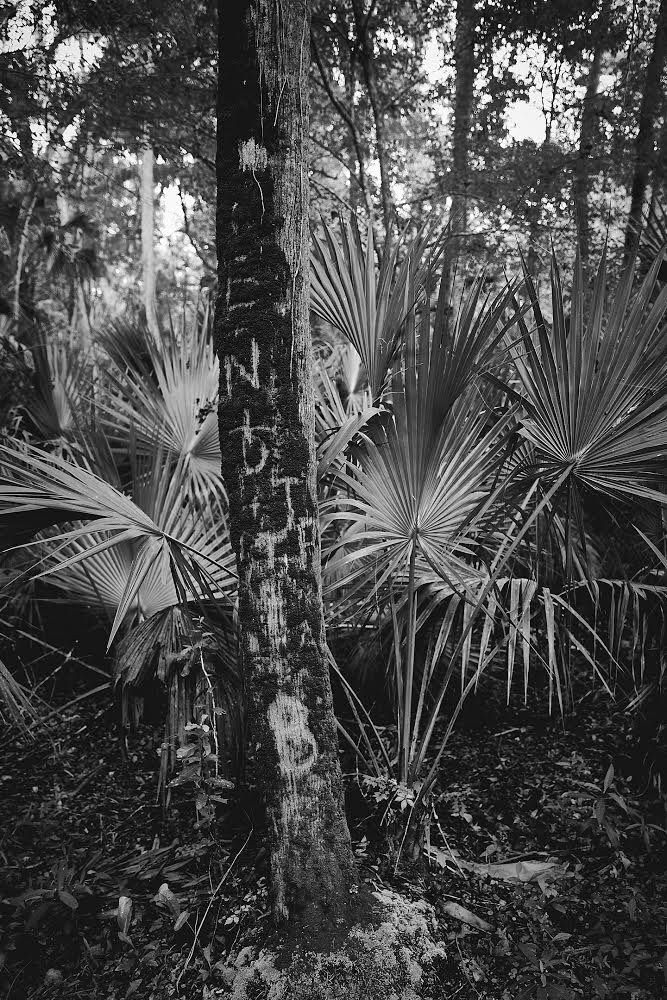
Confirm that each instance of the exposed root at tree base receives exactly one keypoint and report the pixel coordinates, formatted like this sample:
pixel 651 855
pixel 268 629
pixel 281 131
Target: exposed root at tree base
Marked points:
pixel 393 956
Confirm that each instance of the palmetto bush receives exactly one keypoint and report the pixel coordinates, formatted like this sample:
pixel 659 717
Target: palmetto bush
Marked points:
pixel 123 503
pixel 459 441
pixel 492 429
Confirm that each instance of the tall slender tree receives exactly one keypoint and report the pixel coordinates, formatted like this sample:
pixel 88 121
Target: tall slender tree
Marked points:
pixel 464 60
pixel 587 136
pixel 651 105
pixel 266 419
pixel 146 174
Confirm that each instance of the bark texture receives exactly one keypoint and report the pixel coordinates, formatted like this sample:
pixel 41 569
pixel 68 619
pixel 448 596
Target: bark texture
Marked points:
pixel 464 59
pixel 651 105
pixel 266 420
pixel 148 240
pixel 587 135
pixel 464 95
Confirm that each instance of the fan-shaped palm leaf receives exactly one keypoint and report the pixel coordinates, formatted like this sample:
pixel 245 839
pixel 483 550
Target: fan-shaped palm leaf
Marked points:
pixel 595 394
pixel 417 500
pixel 366 305
pixel 336 424
pixel 164 554
pixel 16 704
pixel 56 407
pixel 173 410
pixel 401 497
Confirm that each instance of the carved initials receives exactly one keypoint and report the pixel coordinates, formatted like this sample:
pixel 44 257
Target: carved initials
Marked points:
pixel 295 743
pixel 234 366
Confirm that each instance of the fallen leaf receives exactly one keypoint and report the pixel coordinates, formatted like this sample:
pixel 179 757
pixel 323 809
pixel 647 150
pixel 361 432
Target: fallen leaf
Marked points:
pixel 465 916
pixel 167 898
pixel 124 913
pixel 542 872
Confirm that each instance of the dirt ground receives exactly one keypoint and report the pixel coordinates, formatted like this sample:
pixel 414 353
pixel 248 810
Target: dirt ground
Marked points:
pixel 559 857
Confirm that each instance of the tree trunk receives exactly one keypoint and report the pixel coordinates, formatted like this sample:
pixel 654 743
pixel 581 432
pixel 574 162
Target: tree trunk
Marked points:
pixel 464 60
pixel 266 419
pixel 63 168
pixel 367 59
pixel 355 153
pixel 148 241
pixel 587 134
pixel 26 211
pixel 645 146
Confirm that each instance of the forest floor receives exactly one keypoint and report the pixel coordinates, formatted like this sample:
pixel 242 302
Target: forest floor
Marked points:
pixel 561 859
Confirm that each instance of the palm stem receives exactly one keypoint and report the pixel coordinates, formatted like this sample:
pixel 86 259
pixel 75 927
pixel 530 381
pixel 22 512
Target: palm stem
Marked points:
pixel 409 669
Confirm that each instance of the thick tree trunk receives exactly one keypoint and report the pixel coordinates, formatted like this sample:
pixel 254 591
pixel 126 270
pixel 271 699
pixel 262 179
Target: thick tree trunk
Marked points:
pixel 266 421
pixel 148 240
pixel 587 134
pixel 651 105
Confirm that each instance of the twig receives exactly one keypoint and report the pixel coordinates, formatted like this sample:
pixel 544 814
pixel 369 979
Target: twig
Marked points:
pixel 82 784
pixel 74 701
pixel 215 892
pixel 52 649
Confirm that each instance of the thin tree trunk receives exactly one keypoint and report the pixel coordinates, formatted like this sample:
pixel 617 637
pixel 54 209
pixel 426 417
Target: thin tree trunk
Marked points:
pixel 534 209
pixel 357 183
pixel 464 59
pixel 266 419
pixel 84 312
pixel 367 59
pixel 63 167
pixel 651 105
pixel 660 170
pixel 534 215
pixel 148 241
pixel 29 203
pixel 587 133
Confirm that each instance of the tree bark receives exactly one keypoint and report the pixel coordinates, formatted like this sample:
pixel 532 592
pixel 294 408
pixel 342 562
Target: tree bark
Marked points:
pixel 63 167
pixel 266 420
pixel 651 104
pixel 464 60
pixel 587 134
pixel 148 240
pixel 27 208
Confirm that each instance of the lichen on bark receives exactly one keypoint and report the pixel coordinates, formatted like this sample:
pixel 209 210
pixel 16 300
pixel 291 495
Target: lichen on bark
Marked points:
pixel 266 421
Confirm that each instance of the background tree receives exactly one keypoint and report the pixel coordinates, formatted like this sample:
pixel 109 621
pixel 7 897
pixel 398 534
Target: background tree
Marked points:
pixel 464 61
pixel 652 103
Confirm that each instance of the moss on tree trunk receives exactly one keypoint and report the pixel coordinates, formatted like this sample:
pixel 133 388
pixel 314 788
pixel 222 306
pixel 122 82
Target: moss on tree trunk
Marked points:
pixel 266 420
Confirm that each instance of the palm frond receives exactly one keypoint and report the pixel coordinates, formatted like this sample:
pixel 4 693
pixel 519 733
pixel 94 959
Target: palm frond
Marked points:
pixel 195 659
pixel 173 409
pixel 16 705
pixel 174 544
pixel 56 407
pixel 366 304
pixel 595 389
